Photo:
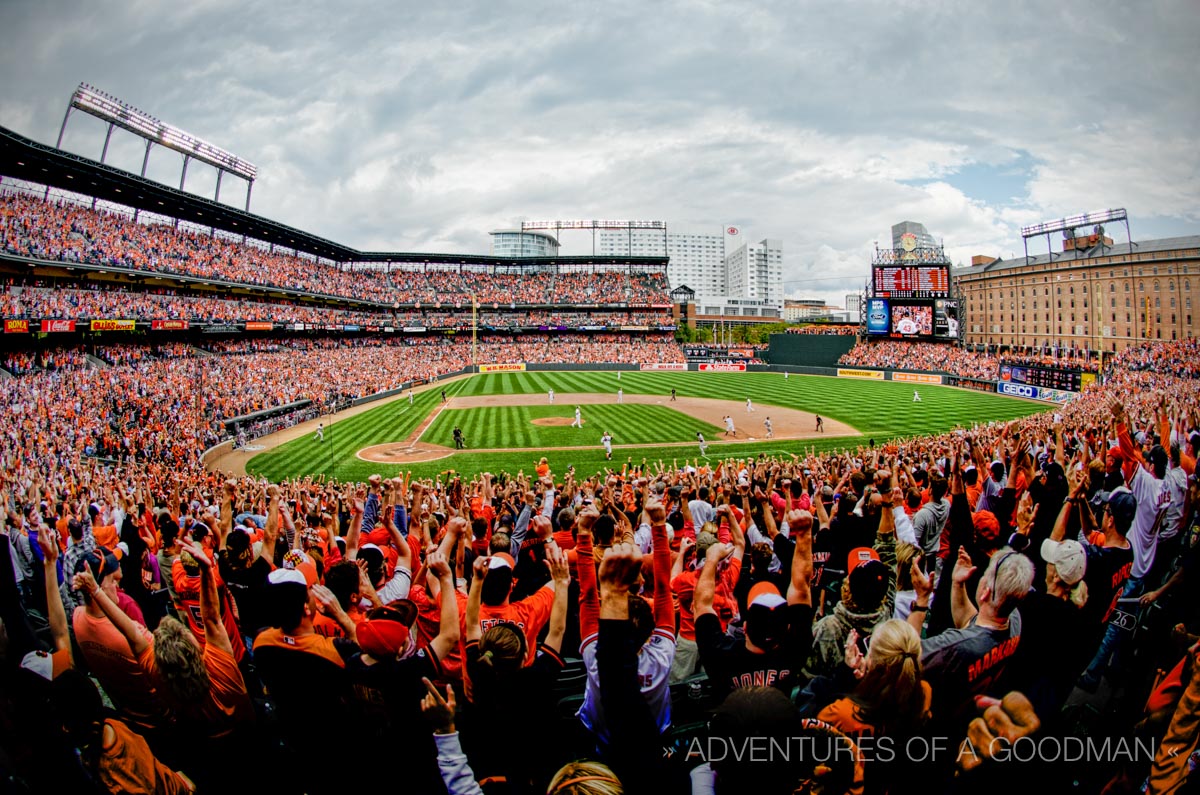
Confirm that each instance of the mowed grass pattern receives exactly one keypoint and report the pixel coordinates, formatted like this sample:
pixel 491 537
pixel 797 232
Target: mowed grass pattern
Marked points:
pixel 512 426
pixel 880 410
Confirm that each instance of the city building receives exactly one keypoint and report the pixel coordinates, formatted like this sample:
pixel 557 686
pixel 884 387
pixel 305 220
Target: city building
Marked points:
pixel 516 243
pixel 696 251
pixel 853 307
pixel 754 271
pixel 807 309
pixel 1097 297
pixel 923 238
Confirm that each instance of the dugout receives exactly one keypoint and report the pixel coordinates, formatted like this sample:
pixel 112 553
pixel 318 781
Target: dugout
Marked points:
pixel 808 350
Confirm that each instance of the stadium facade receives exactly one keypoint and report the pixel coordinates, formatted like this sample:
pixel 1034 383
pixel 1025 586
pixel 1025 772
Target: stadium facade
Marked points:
pixel 1100 298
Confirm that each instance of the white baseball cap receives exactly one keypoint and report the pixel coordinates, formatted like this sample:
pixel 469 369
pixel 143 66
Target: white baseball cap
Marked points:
pixel 1068 558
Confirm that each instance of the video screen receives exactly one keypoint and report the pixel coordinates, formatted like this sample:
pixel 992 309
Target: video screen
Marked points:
pixel 912 321
pixel 912 281
pixel 877 316
pixel 945 318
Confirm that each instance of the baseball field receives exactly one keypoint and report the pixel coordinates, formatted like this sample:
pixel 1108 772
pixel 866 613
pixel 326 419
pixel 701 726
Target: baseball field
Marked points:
pixel 507 421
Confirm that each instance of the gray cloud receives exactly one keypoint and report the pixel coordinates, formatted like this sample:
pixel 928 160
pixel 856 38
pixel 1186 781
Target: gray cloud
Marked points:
pixel 420 126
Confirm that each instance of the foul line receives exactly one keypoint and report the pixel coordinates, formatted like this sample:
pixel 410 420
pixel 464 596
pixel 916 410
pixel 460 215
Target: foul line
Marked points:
pixel 437 413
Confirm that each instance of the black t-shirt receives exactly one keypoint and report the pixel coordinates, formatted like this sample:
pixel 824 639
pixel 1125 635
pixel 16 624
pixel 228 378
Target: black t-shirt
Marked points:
pixel 1054 649
pixel 731 665
pixel 521 704
pixel 1105 575
pixel 246 587
pixel 387 707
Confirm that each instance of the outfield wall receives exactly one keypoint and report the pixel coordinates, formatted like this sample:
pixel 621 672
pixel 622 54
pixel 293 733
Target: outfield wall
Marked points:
pixel 808 350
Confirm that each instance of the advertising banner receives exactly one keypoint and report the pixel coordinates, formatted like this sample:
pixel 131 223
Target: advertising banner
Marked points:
pixel 502 368
pixel 874 375
pixel 1019 390
pixel 221 328
pixel 350 327
pixel 16 327
pixel 414 329
pixel 168 325
pixel 635 328
pixel 259 325
pixel 877 316
pixel 917 378
pixel 663 365
pixel 721 367
pixel 57 325
pixel 113 325
pixel 741 353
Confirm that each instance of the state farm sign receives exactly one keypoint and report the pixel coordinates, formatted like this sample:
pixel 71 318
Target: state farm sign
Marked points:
pixel 721 367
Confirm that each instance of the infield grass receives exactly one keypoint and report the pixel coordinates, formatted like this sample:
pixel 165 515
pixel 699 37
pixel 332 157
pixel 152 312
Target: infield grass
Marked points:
pixel 880 410
pixel 511 427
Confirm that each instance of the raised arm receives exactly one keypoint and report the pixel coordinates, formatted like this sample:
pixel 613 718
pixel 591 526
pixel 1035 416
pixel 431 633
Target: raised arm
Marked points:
pixel 448 632
pixel 664 608
pixel 960 603
pixel 472 627
pixel 589 596
pixel 800 531
pixel 210 605
pixel 126 625
pixel 56 614
pixel 560 572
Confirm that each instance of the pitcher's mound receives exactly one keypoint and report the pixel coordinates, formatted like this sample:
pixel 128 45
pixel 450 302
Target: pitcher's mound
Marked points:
pixel 557 421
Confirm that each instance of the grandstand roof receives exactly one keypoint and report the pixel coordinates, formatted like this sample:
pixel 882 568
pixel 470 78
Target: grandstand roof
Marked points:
pixel 1081 257
pixel 26 159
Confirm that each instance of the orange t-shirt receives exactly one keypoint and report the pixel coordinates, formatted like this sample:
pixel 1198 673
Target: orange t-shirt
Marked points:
pixel 107 654
pixel 542 470
pixel 530 614
pixel 227 704
pixel 128 765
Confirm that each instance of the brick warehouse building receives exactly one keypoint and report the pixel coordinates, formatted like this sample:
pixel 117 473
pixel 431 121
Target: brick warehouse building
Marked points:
pixel 1091 296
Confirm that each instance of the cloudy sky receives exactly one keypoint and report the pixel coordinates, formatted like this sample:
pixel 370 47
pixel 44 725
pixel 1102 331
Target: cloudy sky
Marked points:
pixel 421 126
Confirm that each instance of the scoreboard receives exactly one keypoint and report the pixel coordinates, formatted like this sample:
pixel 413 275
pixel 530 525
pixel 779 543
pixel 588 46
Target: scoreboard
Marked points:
pixel 912 281
pixel 1044 377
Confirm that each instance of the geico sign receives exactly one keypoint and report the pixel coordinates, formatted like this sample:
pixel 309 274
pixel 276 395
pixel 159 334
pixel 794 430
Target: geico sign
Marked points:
pixel 1017 390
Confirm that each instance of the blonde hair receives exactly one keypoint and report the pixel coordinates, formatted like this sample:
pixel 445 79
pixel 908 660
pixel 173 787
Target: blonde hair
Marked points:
pixel 1078 594
pixel 891 695
pixel 905 553
pixel 179 662
pixel 585 778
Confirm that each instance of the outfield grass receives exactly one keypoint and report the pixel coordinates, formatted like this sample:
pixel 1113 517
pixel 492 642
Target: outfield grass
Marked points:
pixel 511 427
pixel 880 410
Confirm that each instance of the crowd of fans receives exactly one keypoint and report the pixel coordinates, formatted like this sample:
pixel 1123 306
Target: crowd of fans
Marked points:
pixel 166 402
pixel 934 357
pixel 914 616
pixel 1080 363
pixel 1178 357
pixel 46 303
pixel 63 231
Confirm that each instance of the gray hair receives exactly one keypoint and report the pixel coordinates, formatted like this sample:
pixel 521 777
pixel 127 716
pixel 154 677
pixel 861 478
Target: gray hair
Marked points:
pixel 1011 576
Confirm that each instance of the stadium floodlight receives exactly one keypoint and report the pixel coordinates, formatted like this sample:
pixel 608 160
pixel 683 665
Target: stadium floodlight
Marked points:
pixel 1068 225
pixel 1074 222
pixel 123 115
